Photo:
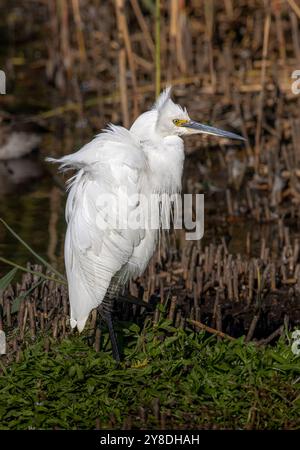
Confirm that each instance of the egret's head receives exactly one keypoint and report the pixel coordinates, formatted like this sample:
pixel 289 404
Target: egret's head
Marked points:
pixel 173 120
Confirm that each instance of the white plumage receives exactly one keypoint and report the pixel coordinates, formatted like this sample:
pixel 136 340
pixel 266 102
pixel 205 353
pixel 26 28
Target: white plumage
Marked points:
pixel 147 159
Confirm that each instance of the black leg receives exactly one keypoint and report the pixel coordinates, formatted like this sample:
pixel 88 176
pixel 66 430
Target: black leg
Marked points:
pixel 113 338
pixel 114 344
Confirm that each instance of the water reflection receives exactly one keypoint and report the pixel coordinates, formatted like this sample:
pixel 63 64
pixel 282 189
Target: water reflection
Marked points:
pixel 15 174
pixel 31 203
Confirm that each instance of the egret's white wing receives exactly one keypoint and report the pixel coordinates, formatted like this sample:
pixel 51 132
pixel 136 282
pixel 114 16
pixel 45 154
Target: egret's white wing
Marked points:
pixel 111 165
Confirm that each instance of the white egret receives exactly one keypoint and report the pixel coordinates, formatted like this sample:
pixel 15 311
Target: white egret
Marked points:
pixel 146 159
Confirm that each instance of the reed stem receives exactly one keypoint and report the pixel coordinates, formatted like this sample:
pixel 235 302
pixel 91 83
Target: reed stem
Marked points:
pixel 157 49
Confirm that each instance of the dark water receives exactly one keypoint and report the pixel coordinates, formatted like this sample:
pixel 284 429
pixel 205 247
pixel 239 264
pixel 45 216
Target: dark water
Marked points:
pixel 30 202
pixel 35 211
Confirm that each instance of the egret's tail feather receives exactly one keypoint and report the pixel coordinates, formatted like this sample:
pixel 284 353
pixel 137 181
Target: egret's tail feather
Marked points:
pixel 80 324
pixel 65 163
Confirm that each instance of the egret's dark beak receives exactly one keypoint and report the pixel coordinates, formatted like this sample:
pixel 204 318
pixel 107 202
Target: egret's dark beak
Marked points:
pixel 205 129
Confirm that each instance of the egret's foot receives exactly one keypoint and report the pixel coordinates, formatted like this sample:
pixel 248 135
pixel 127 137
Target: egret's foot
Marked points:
pixel 106 315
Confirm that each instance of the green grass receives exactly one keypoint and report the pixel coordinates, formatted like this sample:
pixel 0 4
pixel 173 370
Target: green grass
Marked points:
pixel 200 382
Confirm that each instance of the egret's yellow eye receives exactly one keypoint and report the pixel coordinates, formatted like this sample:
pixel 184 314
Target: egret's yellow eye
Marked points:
pixel 179 122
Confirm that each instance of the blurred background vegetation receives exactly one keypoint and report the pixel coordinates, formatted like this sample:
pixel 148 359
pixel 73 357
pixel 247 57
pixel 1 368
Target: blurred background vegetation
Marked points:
pixel 72 66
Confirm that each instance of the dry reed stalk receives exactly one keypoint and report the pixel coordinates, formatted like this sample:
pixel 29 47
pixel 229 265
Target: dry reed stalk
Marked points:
pixel 277 332
pixel 52 45
pixel 173 13
pixel 178 319
pixel 97 424
pixel 1 317
pixel 55 327
pixel 172 309
pixel 219 319
pixel 229 9
pixel 156 316
pixel 144 27
pixel 294 7
pixel 123 88
pixel 31 320
pixel 65 36
pixel 146 65
pixel 210 330
pixel 277 9
pixel 182 31
pixel 267 25
pixel 125 38
pixel 141 90
pixel 54 196
pixel 238 108
pixel 252 327
pixel 6 306
pixel 98 335
pixel 229 203
pixel 295 35
pixel 24 320
pixel 209 25
pixel 79 33
pixel 157 49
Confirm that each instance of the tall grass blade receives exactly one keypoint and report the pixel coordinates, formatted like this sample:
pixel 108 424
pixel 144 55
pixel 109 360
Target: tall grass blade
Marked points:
pixel 7 279
pixel 17 301
pixel 42 260
pixel 40 274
